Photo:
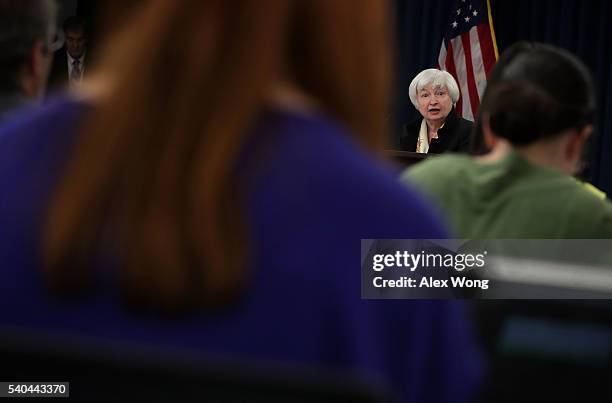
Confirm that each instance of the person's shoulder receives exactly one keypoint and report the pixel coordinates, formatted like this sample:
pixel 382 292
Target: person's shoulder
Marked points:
pixel 413 124
pixel 578 205
pixel 455 122
pixel 54 115
pixel 437 167
pixel 33 151
pixel 464 122
pixel 41 133
pixel 589 211
pixel 302 140
pixel 459 132
pixel 464 127
pixel 311 142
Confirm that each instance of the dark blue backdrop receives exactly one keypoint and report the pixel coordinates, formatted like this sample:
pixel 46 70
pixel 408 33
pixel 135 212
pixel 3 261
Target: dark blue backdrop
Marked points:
pixel 581 26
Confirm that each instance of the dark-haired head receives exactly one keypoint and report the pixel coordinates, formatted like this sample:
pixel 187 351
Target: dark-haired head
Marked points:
pixel 539 97
pixel 478 146
pixel 27 28
pixel 535 91
pixel 541 92
pixel 75 35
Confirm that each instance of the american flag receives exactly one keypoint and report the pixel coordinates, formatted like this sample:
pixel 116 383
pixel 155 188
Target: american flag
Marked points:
pixel 469 51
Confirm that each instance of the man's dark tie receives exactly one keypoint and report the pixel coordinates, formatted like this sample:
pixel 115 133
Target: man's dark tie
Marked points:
pixel 75 77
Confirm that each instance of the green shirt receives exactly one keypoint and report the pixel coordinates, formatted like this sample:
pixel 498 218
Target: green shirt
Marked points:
pixel 511 198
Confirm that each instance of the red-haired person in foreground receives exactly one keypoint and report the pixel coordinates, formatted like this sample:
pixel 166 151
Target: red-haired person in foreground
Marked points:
pixel 223 169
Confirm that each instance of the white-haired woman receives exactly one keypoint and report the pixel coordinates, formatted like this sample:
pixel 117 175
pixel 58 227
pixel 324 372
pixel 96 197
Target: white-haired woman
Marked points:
pixel 434 93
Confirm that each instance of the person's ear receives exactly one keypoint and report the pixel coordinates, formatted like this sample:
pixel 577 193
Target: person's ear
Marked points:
pixel 573 147
pixel 490 139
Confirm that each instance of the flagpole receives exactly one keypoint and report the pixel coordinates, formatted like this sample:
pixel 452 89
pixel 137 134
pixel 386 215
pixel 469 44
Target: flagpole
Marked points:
pixel 492 30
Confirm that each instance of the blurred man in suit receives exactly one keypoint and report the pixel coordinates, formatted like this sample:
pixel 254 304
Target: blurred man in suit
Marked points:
pixel 26 32
pixel 69 61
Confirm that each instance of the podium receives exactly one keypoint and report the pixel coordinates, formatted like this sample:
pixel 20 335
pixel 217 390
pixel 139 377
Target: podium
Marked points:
pixel 405 158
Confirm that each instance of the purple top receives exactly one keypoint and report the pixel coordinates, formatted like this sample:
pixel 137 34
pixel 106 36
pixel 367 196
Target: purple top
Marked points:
pixel 310 201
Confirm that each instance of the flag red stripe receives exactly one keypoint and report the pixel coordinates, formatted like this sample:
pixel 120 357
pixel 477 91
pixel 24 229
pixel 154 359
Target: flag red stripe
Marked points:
pixel 471 81
pixel 450 67
pixel 477 51
pixel 486 47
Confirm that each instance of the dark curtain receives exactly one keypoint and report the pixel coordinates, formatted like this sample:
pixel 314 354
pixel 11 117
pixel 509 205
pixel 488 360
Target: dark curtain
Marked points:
pixel 87 9
pixel 580 26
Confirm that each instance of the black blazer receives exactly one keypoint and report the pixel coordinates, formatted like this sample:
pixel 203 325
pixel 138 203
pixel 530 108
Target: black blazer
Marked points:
pixel 453 137
pixel 58 76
